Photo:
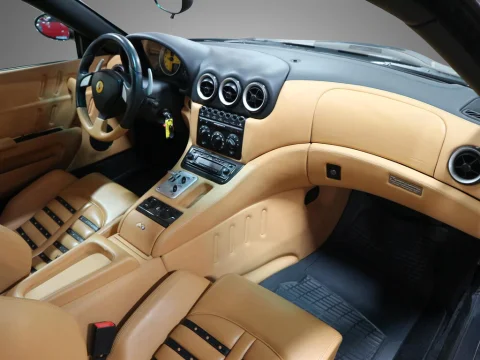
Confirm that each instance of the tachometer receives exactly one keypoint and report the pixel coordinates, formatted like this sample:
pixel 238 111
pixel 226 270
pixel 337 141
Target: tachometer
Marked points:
pixel 169 62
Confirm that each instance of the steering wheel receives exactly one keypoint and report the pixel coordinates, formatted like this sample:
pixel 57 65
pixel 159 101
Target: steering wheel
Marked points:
pixel 114 93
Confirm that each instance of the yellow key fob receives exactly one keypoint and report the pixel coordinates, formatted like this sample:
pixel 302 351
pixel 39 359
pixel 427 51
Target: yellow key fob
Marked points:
pixel 169 128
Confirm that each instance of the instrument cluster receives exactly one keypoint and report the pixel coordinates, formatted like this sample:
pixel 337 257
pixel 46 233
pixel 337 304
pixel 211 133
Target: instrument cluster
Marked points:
pixel 162 59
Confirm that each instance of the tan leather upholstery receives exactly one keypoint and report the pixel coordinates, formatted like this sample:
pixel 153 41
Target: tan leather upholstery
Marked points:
pixel 241 320
pixel 57 212
pixel 235 319
pixel 31 330
pixel 15 258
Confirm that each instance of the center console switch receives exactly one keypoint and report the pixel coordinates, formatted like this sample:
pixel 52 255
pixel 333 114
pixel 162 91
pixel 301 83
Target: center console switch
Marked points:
pixel 210 166
pixel 159 212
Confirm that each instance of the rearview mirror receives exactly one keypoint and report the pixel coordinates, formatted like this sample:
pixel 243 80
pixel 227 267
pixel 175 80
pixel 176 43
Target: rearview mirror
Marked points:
pixel 52 28
pixel 174 7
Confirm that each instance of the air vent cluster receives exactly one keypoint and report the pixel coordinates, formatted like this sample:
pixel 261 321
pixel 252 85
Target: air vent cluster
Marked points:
pixel 464 165
pixel 255 97
pixel 207 86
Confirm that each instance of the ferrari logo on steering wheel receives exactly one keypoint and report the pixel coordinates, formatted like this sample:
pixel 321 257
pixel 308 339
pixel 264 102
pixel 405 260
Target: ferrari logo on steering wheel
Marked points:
pixel 99 87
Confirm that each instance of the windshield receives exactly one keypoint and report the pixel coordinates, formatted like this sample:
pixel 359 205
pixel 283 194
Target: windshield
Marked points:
pixel 350 21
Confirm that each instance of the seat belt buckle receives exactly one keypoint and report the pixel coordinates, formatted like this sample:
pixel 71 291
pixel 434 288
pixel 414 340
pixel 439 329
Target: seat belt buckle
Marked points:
pixel 101 336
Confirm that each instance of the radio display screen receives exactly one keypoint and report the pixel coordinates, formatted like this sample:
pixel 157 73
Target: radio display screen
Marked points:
pixel 209 164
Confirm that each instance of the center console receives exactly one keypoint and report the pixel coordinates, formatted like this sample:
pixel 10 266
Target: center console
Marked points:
pixel 221 131
pixel 210 166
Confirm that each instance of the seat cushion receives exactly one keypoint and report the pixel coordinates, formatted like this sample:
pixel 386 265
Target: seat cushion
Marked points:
pixel 58 212
pixel 234 319
pixel 32 329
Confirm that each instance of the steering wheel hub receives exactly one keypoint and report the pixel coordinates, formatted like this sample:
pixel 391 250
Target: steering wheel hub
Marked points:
pixel 107 88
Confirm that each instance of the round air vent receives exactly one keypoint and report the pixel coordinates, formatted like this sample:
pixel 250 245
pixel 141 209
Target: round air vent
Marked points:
pixel 464 165
pixel 207 86
pixel 255 97
pixel 230 90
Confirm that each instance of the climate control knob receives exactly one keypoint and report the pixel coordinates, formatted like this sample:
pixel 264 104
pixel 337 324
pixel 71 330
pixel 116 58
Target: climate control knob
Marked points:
pixel 233 143
pixel 204 134
pixel 217 141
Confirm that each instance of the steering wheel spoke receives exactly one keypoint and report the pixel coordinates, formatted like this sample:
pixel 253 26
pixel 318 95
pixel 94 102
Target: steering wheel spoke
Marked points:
pixel 100 124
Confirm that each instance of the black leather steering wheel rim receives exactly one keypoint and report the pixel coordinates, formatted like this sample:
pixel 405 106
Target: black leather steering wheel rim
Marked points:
pixel 134 90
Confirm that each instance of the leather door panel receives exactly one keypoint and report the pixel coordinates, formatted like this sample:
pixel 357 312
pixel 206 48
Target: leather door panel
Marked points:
pixel 33 101
pixel 36 98
pixel 27 160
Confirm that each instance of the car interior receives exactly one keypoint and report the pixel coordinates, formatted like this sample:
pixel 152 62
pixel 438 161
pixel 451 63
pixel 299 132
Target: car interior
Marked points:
pixel 167 198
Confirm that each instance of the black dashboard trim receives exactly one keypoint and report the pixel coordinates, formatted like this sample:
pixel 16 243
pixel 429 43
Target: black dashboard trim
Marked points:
pixel 316 66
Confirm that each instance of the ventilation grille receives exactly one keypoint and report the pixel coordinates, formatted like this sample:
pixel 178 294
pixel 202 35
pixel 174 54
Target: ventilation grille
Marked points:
pixel 472 110
pixel 207 86
pixel 472 113
pixel 255 97
pixel 230 91
pixel 464 165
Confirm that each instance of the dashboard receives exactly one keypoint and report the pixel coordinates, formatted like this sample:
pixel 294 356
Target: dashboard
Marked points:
pixel 249 100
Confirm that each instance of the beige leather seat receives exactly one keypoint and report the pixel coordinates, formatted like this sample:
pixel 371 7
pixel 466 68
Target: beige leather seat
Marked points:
pixel 184 318
pixel 59 211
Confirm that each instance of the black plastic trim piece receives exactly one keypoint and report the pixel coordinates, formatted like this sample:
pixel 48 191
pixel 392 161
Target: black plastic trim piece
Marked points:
pixel 25 237
pixel 45 258
pixel 40 228
pixel 37 135
pixel 75 235
pixel 334 172
pixel 66 204
pixel 172 344
pixel 89 223
pixel 222 349
pixel 149 209
pixel 52 215
pixel 60 247
pixel 195 152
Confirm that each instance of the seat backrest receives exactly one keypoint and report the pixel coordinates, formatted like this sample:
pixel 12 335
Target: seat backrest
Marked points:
pixel 32 330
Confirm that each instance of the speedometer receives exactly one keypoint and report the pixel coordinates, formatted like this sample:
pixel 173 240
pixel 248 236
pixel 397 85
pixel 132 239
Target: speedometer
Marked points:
pixel 169 62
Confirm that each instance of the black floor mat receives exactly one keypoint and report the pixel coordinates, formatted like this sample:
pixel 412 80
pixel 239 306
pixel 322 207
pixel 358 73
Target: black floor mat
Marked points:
pixel 388 264
pixel 362 336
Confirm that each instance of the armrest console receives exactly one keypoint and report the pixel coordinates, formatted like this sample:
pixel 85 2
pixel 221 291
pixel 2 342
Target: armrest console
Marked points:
pixel 89 266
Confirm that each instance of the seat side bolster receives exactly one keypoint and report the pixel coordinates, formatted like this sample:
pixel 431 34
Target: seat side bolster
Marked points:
pixel 34 197
pixel 289 331
pixel 15 258
pixel 150 324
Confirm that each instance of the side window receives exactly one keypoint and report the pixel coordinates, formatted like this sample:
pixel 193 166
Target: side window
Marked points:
pixel 22 41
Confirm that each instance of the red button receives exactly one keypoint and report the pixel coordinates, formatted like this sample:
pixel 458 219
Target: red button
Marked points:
pixel 104 324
